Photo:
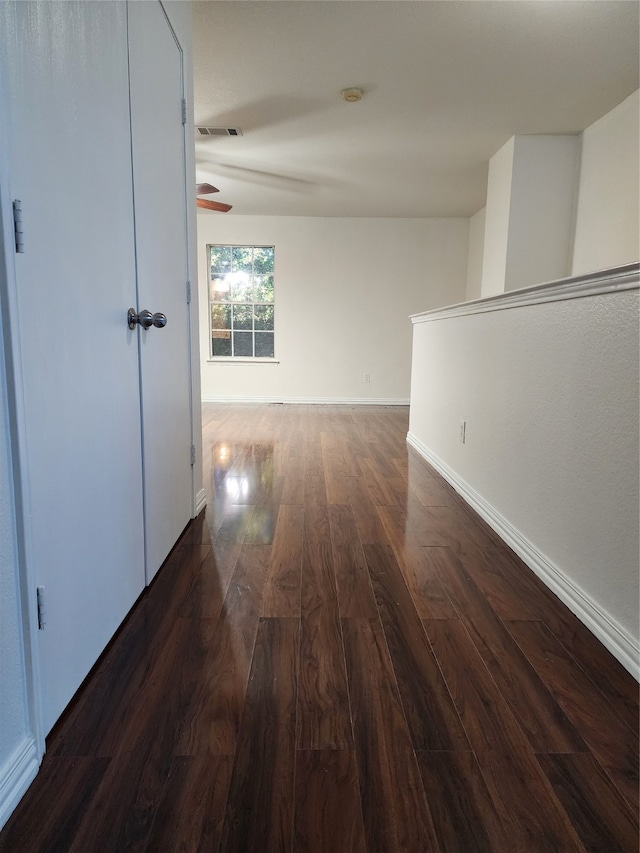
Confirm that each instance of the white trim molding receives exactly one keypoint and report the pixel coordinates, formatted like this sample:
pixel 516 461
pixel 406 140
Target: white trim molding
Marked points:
pixel 606 281
pixel 319 401
pixel 201 502
pixel 18 773
pixel 611 635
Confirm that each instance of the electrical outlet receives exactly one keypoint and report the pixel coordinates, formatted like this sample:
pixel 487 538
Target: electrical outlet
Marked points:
pixel 463 432
pixel 367 377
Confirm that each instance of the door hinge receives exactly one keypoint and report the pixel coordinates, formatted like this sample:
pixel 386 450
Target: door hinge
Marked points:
pixel 184 111
pixel 188 293
pixel 17 225
pixel 193 454
pixel 42 614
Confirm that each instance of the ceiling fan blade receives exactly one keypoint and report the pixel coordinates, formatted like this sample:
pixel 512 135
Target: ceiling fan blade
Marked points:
pixel 205 189
pixel 213 205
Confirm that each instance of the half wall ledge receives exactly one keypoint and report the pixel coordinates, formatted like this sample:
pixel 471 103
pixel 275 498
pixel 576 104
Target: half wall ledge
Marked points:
pixel 533 417
pixel 625 277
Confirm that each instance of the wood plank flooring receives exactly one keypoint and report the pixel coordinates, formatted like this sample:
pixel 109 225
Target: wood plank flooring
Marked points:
pixel 339 655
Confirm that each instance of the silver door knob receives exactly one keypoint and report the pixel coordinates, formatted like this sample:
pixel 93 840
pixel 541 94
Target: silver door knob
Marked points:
pixel 145 319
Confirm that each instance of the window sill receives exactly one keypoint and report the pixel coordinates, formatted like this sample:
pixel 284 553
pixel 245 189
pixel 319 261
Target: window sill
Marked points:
pixel 239 360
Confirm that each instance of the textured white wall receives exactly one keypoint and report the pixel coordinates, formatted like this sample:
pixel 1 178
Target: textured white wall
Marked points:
pixel 607 221
pixel 475 255
pixel 344 291
pixel 552 430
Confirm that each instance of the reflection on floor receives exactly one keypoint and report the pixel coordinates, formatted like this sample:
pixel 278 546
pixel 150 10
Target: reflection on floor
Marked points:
pixel 244 475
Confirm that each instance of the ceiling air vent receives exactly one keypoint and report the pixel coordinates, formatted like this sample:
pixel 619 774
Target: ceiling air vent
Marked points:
pixel 218 131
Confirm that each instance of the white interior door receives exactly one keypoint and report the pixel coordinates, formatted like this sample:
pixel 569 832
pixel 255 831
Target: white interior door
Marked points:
pixel 67 113
pixel 161 251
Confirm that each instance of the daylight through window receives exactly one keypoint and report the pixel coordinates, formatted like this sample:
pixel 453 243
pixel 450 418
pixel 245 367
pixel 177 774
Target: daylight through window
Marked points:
pixel 241 301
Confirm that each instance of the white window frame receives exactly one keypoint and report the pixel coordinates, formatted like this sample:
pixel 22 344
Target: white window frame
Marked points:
pixel 237 359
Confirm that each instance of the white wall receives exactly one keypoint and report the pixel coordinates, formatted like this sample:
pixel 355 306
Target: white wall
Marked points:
pixel 344 290
pixel 552 438
pixel 531 194
pixel 475 255
pixel 607 222
pixel 496 233
pixel 541 212
pixel 563 205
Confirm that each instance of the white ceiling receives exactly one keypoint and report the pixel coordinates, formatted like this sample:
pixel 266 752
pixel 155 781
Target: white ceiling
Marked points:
pixel 446 83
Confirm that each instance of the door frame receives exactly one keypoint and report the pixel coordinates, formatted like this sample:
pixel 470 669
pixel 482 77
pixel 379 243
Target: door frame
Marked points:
pixel 29 759
pixel 181 32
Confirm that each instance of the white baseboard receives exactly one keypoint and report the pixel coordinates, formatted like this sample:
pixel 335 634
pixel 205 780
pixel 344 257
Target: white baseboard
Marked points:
pixel 320 401
pixel 621 645
pixel 16 775
pixel 201 502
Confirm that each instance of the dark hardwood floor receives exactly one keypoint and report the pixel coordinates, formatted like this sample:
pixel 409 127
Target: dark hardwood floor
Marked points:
pixel 339 655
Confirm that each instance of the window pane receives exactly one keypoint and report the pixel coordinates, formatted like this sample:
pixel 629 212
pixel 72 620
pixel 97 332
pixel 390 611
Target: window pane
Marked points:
pixel 242 317
pixel 263 288
pixel 263 317
pixel 242 257
pixel 220 316
pixel 220 260
pixel 263 260
pixel 220 345
pixel 240 278
pixel 264 344
pixel 219 289
pixel 241 287
pixel 243 343
pixel 219 269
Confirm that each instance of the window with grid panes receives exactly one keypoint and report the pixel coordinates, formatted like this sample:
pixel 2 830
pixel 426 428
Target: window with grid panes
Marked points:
pixel 241 307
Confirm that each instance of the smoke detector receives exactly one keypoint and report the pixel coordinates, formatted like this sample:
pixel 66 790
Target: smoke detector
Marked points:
pixel 352 95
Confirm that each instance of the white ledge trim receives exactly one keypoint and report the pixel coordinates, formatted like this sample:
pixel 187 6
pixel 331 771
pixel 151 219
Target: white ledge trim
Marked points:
pixel 606 281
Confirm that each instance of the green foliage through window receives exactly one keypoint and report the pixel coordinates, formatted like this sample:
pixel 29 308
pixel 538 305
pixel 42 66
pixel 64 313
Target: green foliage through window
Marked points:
pixel 241 304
